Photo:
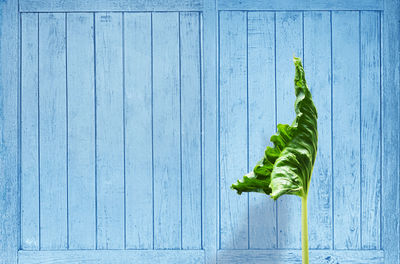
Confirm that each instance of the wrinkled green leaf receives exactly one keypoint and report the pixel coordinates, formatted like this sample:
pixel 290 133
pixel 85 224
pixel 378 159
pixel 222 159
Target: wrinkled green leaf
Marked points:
pixel 287 167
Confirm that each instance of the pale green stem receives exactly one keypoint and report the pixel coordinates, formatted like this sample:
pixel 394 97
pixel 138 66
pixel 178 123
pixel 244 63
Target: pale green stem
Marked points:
pixel 304 230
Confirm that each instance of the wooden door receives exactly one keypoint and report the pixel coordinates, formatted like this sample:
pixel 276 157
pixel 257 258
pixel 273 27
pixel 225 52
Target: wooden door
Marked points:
pixel 124 123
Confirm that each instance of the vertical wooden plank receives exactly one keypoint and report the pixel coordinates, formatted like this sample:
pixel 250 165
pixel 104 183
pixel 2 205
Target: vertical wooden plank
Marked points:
pixel 261 82
pixel 53 131
pixel 9 136
pixel 317 64
pixel 138 126
pixel 166 137
pixel 110 140
pixel 190 129
pixel 29 133
pixel 233 128
pixel 390 131
pixel 81 131
pixel 289 40
pixel 210 132
pixel 346 129
pixel 370 130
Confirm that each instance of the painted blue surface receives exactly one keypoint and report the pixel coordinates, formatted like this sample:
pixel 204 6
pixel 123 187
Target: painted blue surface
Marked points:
pixel 126 129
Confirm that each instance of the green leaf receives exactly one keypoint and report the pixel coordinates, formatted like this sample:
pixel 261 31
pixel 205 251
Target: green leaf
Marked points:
pixel 286 168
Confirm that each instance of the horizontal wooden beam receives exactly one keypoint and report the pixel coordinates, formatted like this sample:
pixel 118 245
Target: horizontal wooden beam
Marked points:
pixel 197 256
pixel 294 256
pixel 300 5
pixel 109 5
pixel 112 256
pixel 193 5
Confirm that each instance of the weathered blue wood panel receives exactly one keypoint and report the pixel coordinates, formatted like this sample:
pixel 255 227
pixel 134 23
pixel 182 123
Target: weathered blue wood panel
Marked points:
pixel 299 5
pixel 81 130
pixel 29 133
pixel 109 131
pixel 210 132
pixel 112 256
pixel 107 5
pixel 190 129
pixel 346 129
pixel 317 64
pixel 52 132
pixel 233 129
pixel 89 65
pixel 138 130
pixel 370 34
pixel 10 132
pixel 289 38
pixel 92 83
pixel 166 131
pixel 261 115
pixel 289 42
pixel 390 72
pixel 294 256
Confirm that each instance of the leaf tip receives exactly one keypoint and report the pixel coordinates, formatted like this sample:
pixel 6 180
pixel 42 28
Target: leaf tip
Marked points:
pixel 296 60
pixel 235 188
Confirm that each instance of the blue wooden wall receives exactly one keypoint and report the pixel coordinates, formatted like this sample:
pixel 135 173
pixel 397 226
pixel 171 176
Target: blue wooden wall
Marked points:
pixel 111 131
pixel 341 54
pixel 129 121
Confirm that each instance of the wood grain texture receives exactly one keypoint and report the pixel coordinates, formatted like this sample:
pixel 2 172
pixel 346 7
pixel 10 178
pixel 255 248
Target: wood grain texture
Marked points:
pixel 370 129
pixel 288 43
pixel 317 66
pixel 261 94
pixel 81 131
pixel 29 133
pixel 53 132
pixel 233 129
pixel 346 129
pixel 109 128
pixel 138 131
pixel 210 132
pixel 359 202
pixel 190 129
pixel 294 256
pixel 390 72
pixel 9 136
pixel 300 5
pixel 106 5
pixel 112 256
pixel 166 137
